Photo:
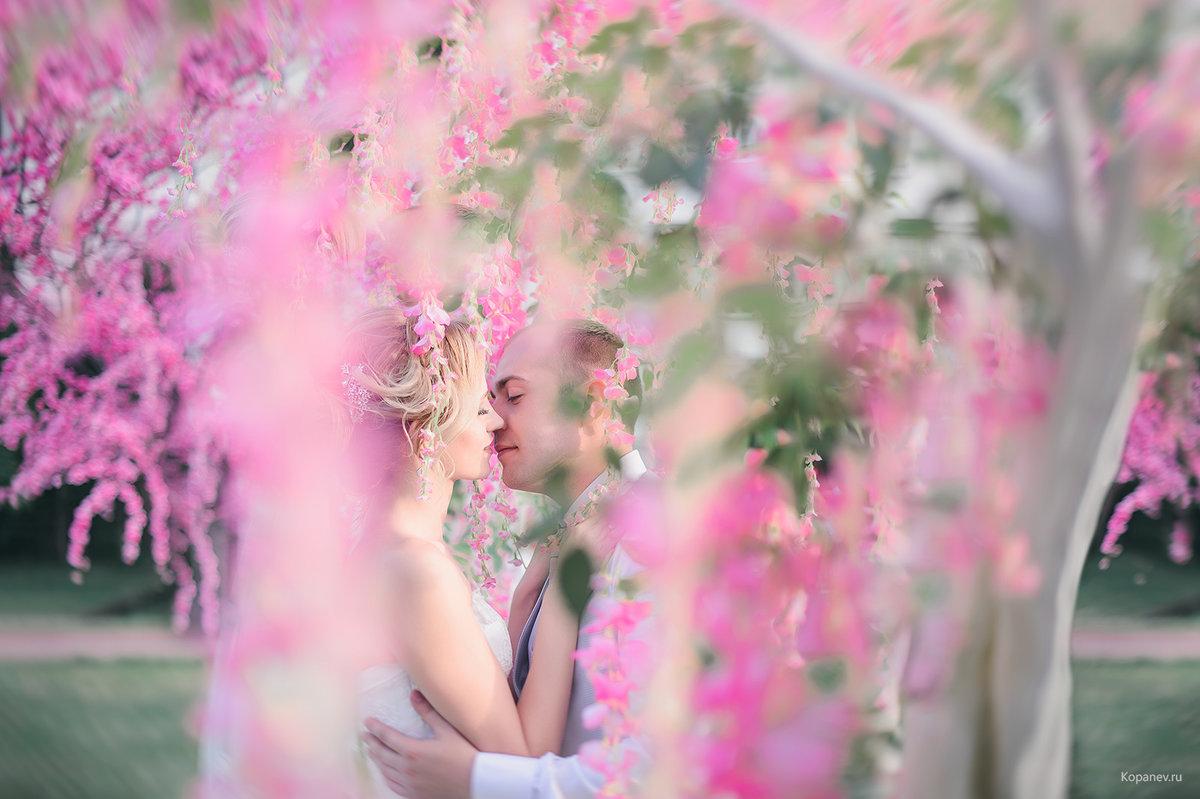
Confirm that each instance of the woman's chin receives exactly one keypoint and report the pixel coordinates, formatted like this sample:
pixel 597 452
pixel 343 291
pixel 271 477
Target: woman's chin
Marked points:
pixel 481 473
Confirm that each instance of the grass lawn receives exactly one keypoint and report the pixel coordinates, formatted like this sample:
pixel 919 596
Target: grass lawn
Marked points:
pixel 97 729
pixel 1135 584
pixel 118 729
pixel 1140 718
pixel 39 588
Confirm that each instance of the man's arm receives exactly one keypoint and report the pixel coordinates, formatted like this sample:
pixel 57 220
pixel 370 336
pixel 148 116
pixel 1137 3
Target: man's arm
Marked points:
pixel 496 776
pixel 434 768
pixel 448 767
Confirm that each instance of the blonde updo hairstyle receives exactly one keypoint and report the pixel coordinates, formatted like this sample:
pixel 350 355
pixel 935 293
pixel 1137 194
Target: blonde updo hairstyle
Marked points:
pixel 400 402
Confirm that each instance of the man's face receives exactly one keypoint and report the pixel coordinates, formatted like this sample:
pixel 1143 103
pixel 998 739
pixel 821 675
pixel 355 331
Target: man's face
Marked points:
pixel 536 438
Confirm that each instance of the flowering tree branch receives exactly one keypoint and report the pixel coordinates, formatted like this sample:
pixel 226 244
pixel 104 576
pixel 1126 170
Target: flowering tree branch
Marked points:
pixel 1025 191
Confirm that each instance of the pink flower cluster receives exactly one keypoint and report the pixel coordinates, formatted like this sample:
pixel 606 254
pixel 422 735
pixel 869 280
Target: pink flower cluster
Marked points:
pixel 1162 454
pixel 777 628
pixel 614 392
pixel 617 666
pixel 100 366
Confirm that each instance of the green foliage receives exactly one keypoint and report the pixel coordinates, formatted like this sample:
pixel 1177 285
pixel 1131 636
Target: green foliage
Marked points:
pixel 915 228
pixel 1137 588
pixel 197 12
pixel 881 161
pixel 43 588
pixel 1001 114
pixel 664 267
pixel 575 573
pixel 606 41
pixel 689 358
pixel 827 674
pixel 10 462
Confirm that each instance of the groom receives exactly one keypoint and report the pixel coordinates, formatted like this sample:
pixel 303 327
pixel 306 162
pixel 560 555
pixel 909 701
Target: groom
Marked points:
pixel 546 450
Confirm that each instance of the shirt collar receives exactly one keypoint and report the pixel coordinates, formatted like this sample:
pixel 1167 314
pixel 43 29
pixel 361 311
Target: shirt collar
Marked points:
pixel 632 467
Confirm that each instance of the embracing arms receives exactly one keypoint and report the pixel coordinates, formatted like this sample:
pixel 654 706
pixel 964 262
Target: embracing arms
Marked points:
pixel 445 653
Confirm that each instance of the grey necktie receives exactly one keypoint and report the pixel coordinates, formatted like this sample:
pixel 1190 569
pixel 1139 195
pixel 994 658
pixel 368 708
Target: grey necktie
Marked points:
pixel 521 657
pixel 520 672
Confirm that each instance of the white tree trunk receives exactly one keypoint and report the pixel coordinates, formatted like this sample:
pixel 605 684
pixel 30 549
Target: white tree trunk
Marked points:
pixel 999 726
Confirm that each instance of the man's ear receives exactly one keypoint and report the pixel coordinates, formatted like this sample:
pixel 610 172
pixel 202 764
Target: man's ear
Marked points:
pixel 597 408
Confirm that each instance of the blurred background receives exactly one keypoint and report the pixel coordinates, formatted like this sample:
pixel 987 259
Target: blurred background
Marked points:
pixel 183 180
pixel 99 698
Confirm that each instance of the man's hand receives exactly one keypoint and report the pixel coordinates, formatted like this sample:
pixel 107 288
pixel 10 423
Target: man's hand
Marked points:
pixel 434 768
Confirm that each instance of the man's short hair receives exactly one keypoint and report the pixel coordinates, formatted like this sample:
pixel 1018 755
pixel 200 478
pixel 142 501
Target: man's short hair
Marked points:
pixel 588 345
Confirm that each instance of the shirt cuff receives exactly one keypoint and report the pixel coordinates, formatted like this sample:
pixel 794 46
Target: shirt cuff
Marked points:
pixel 496 776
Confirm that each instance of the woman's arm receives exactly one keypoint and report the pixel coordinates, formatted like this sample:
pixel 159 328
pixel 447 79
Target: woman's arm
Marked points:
pixel 447 656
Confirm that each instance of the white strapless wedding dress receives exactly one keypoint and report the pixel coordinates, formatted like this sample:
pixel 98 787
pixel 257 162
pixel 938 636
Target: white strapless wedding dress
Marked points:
pixel 383 691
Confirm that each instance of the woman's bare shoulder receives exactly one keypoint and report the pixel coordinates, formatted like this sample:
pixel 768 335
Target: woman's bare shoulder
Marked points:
pixel 413 565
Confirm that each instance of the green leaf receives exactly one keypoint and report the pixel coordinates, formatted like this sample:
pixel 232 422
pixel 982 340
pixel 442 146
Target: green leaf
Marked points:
pixel 603 195
pixel 931 590
pixel 612 458
pixel 741 62
pixel 1002 115
pixel 881 160
pixel 916 54
pixel 706 656
pixel 714 28
pixel 566 154
pixel 765 304
pixel 1169 239
pixel 431 49
pixel 197 11
pixel 827 674
pixel 602 43
pixel 495 229
pixel 575 575
pixel 993 224
pixel 947 496
pixel 701 114
pixel 511 182
pixel 661 166
pixel 572 403
pixel 962 74
pixel 689 358
pixel 655 59
pixel 695 172
pixel 517 134
pixel 661 269
pixel 341 144
pixel 74 158
pixel 913 228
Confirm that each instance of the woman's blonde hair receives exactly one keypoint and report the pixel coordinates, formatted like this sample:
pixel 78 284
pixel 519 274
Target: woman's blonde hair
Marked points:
pixel 389 389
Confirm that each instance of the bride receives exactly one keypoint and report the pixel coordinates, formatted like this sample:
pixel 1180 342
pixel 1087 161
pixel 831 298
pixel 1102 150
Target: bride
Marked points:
pixel 440 635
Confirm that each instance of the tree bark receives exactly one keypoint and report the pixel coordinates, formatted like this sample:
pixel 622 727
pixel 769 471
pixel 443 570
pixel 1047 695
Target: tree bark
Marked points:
pixel 999 725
